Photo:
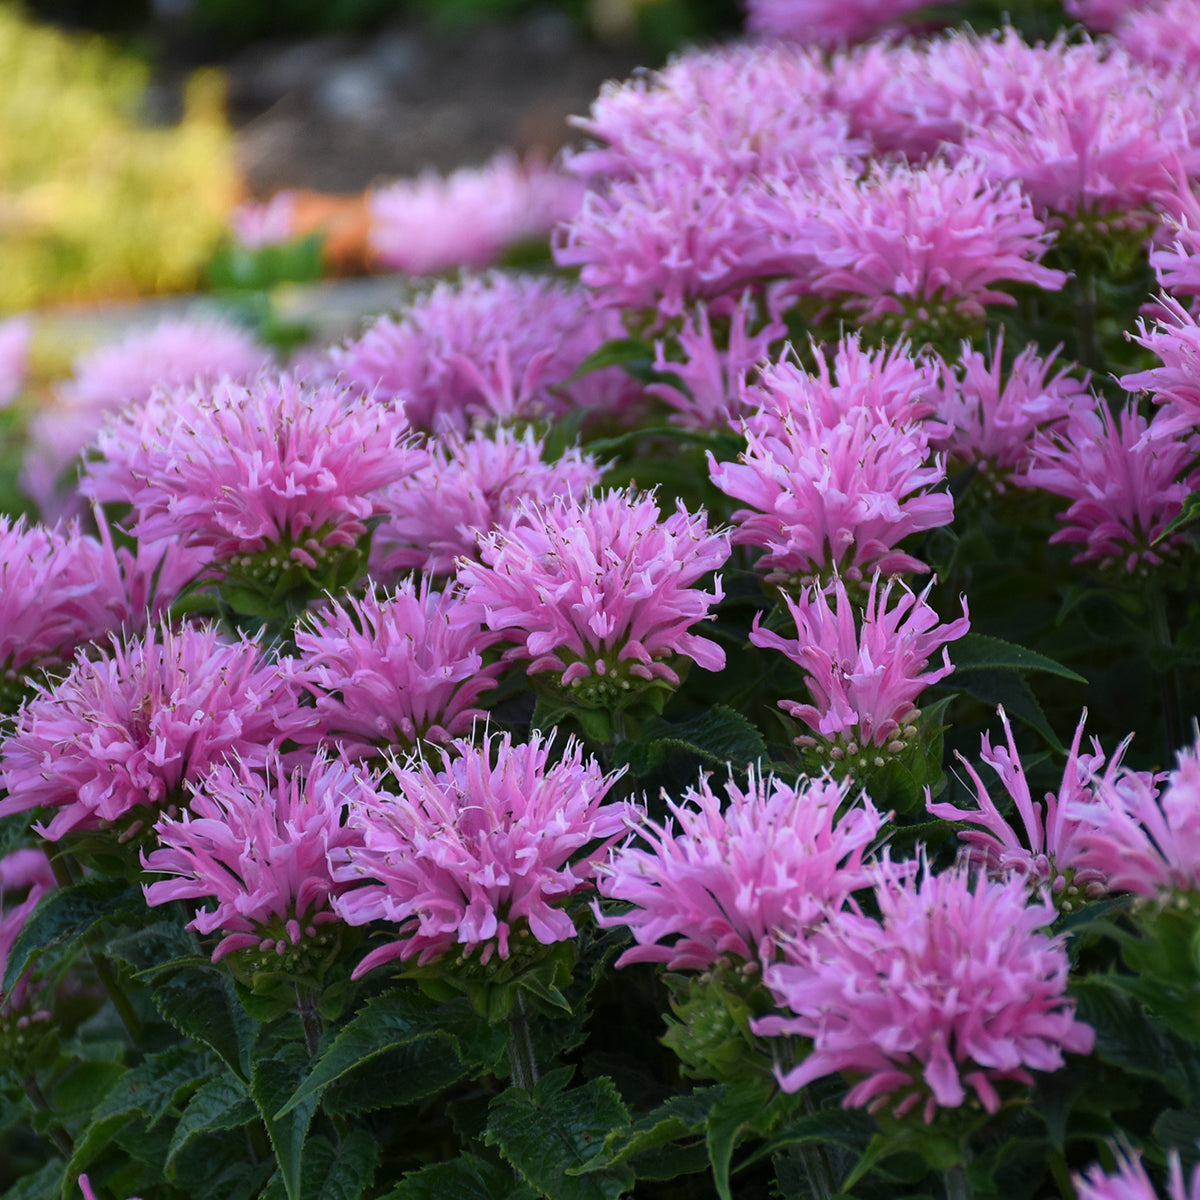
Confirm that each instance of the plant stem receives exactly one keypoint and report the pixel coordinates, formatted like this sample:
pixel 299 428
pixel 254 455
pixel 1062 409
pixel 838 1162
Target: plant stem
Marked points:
pixel 1085 319
pixel 958 1182
pixel 310 1018
pixel 56 1133
pixel 816 1166
pixel 520 1046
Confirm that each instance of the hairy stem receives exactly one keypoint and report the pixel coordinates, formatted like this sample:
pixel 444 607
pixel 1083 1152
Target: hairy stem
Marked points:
pixel 310 1018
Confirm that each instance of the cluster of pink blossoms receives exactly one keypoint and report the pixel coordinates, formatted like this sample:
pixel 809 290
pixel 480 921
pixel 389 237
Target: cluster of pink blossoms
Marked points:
pixel 480 854
pixel 598 593
pixel 953 986
pixel 741 876
pixel 828 22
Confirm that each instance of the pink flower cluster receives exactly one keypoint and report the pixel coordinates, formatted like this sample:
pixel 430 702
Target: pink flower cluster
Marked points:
pixel 599 593
pixel 480 854
pixel 741 876
pixel 954 986
pixel 828 22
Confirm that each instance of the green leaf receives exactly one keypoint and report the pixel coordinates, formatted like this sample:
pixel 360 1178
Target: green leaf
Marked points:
pixel 150 1090
pixel 85 1084
pixel 68 915
pixel 220 1104
pixel 401 1075
pixel 1179 1129
pixel 464 1178
pixel 203 1004
pixel 399 1019
pixel 751 1107
pixel 1188 515
pixel 341 1172
pixel 980 652
pixel 1130 1038
pixel 847 1127
pixel 635 355
pixel 1009 689
pixel 47 1180
pixel 549 1132
pixel 272 1086
pixel 678 1117
pixel 717 737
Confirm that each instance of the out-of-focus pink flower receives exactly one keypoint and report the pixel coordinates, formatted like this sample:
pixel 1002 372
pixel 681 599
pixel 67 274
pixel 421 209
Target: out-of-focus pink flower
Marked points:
pixel 498 347
pixel 917 248
pixel 1162 34
pixel 177 352
pixel 738 877
pixel 1122 476
pixel 268 223
pixel 468 218
pixel 953 987
pixel 257 845
pixel 480 854
pixel 127 732
pixel 14 357
pixel 25 877
pixel 731 110
pixel 1132 1183
pixel 991 421
pixel 1142 839
pixel 385 672
pixel 891 383
pixel 667 238
pixel 1175 339
pixel 1103 15
pixel 833 498
pixel 471 485
pixel 714 369
pixel 1047 851
pixel 865 672
pixel 1176 255
pixel 827 22
pixel 599 591
pixel 273 466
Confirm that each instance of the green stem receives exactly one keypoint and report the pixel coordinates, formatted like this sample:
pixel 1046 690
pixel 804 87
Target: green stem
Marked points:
pixel 816 1166
pixel 56 1133
pixel 310 1018
pixel 1085 319
pixel 520 1046
pixel 958 1182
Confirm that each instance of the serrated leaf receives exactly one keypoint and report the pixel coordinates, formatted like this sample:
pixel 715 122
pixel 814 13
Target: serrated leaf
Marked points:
pixel 272 1086
pixel 68 915
pixel 401 1075
pixel 220 1104
pixel 553 1129
pixel 149 1090
pixel 846 1127
pixel 151 946
pixel 47 1180
pixel 204 1005
pixel 718 737
pixel 752 1106
pixel 1009 689
pixel 399 1019
pixel 1130 1038
pixel 678 1117
pixel 981 652
pixel 340 1172
pixel 464 1178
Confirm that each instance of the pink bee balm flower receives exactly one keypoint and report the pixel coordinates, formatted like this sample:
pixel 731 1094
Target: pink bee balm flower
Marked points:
pixel 25 877
pixel 257 845
pixel 1122 476
pixel 667 238
pixel 480 854
pixel 953 987
pixel 1176 259
pixel 267 223
pixel 265 476
pixel 1047 850
pixel 833 498
pixel 714 369
pixel 828 22
pixel 389 671
pixel 178 352
pixel 1132 1183
pixel 1175 339
pixel 470 485
pixel 738 877
pixel 125 733
pixel 14 357
pixel 468 218
pixel 1162 35
pixel 1141 839
pixel 599 592
pixel 992 421
pixel 499 347
pixel 864 673
pixel 731 110
pixel 915 248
